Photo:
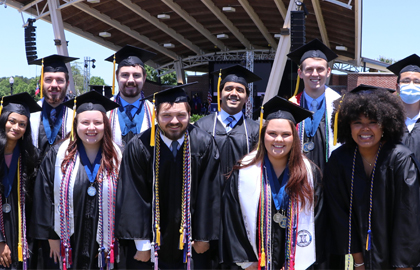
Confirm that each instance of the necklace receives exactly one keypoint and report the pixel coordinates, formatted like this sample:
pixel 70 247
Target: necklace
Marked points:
pixel 370 164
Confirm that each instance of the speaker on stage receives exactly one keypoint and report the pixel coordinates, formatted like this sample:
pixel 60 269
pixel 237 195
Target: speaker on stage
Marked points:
pixel 297 29
pixel 30 41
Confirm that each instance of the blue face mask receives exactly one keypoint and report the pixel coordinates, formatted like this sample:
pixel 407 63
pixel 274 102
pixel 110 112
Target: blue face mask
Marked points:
pixel 410 93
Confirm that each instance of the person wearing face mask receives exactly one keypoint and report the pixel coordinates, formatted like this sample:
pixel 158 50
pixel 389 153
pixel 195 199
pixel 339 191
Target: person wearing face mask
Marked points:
pixel 408 87
pixel 134 114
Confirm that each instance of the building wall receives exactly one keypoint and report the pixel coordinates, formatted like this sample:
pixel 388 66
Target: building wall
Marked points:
pixel 375 78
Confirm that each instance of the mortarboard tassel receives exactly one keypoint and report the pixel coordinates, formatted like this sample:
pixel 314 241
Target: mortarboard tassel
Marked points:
pixel 152 132
pixel 336 122
pixel 72 125
pixel 297 86
pixel 261 124
pixel 42 77
pixel 113 78
pixel 1 105
pixel 218 90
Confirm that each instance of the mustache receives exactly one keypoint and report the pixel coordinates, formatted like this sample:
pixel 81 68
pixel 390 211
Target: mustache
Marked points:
pixel 236 98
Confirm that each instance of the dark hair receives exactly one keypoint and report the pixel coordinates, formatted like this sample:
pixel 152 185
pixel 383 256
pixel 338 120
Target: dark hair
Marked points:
pixel 298 185
pixel 30 160
pixel 172 103
pixel 109 159
pixel 380 105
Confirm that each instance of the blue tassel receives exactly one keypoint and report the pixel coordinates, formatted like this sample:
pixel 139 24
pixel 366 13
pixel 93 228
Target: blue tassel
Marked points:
pixel 369 240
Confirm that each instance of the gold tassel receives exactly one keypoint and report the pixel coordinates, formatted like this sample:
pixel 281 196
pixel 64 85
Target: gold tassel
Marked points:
pixel 72 125
pixel 1 105
pixel 113 78
pixel 262 263
pixel 42 77
pixel 181 239
pixel 20 253
pixel 336 122
pixel 261 124
pixel 157 235
pixel 297 86
pixel 152 132
pixel 218 90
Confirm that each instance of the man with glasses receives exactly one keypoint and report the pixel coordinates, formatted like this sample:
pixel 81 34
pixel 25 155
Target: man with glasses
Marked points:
pixel 408 87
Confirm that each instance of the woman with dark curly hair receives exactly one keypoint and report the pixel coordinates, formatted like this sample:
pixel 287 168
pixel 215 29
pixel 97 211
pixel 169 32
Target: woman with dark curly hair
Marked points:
pixel 371 184
pixel 18 159
pixel 74 198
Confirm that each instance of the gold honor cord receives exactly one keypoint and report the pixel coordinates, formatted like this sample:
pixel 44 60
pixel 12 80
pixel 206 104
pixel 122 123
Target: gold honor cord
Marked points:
pixel 20 253
pixel 113 77
pixel 42 77
pixel 152 131
pixel 218 90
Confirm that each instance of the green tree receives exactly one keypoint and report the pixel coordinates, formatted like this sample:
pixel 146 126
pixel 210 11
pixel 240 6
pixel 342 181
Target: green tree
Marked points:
pixel 386 60
pixel 152 75
pixel 78 78
pixel 95 80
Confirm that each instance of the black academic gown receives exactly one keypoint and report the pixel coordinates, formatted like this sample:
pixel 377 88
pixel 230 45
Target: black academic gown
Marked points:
pixel 135 186
pixel 395 215
pixel 232 145
pixel 412 139
pixel 86 213
pixel 43 145
pixel 234 242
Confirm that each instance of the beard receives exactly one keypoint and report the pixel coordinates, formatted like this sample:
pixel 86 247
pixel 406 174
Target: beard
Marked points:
pixel 54 100
pixel 174 135
pixel 130 93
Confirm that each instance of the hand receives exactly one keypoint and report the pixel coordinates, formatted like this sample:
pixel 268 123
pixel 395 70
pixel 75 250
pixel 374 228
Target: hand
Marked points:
pixel 253 266
pixel 55 250
pixel 200 247
pixel 143 256
pixel 5 255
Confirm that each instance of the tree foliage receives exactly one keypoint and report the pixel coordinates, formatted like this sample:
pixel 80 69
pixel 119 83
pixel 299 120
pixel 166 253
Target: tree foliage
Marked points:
pixel 152 75
pixel 95 80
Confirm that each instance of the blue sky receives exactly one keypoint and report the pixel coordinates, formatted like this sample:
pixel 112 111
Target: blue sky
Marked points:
pixel 389 30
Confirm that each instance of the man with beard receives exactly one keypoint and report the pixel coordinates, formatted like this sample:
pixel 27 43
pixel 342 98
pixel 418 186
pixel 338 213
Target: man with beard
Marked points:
pixel 133 116
pixel 54 122
pixel 168 192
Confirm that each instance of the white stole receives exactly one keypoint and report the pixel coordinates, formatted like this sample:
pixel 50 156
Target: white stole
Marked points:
pixel 330 97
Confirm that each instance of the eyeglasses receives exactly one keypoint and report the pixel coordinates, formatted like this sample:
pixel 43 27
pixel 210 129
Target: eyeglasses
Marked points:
pixel 408 81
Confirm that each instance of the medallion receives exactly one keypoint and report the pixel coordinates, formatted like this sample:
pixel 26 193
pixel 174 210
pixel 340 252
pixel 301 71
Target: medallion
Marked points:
pixel 280 219
pixel 7 208
pixel 308 146
pixel 91 191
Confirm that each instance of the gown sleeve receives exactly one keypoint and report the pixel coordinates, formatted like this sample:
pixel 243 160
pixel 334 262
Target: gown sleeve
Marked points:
pixel 134 193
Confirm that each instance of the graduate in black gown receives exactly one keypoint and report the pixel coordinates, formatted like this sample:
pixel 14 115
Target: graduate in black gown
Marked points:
pixel 372 185
pixel 235 134
pixel 268 202
pixel 54 122
pixel 169 190
pixel 75 190
pixel 18 159
pixel 408 87
pixel 134 115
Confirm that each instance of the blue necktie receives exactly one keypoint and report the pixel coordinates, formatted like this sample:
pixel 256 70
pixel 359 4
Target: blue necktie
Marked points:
pixel 174 146
pixel 128 110
pixel 229 125
pixel 53 115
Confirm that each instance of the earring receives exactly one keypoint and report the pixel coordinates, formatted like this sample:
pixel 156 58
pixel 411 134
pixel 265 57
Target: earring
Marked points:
pixel 382 135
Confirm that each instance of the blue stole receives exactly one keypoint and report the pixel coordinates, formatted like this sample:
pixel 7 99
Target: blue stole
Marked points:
pixel 52 134
pixel 133 126
pixel 280 196
pixel 10 173
pixel 312 123
pixel 91 169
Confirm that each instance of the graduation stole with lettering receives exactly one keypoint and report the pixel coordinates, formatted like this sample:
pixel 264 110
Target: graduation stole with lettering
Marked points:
pixel 185 239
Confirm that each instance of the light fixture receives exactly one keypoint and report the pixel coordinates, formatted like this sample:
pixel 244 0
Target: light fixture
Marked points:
pixel 163 16
pixel 93 1
pixel 168 45
pixel 222 36
pixel 104 34
pixel 341 48
pixel 229 9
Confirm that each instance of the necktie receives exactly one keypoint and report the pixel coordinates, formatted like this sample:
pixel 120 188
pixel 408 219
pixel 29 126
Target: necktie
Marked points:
pixel 314 105
pixel 174 146
pixel 128 110
pixel 53 115
pixel 229 125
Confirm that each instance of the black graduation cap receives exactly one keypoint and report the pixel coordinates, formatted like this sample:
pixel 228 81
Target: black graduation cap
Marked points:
pixel 21 103
pixel 238 74
pixel 410 63
pixel 313 49
pixel 370 88
pixel 281 108
pixel 174 94
pixel 54 63
pixel 91 101
pixel 130 56
pixel 104 90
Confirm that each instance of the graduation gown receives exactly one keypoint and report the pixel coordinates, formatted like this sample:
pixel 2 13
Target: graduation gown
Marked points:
pixel 395 209
pixel 135 192
pixel 85 211
pixel 240 204
pixel 412 139
pixel 232 145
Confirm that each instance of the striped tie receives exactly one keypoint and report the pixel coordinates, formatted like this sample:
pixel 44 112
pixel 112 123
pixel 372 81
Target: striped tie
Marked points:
pixel 230 121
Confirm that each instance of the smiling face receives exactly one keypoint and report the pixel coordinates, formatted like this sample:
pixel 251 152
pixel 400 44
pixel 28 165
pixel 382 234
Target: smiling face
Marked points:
pixel 130 80
pixel 90 127
pixel 55 87
pixel 366 133
pixel 278 139
pixel 173 119
pixel 233 97
pixel 314 73
pixel 16 126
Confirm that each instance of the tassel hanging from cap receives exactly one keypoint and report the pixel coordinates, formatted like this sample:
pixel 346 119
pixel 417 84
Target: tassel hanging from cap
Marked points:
pixel 113 77
pixel 42 78
pixel 1 105
pixel 297 86
pixel 261 124
pixel 336 122
pixel 72 125
pixel 218 90
pixel 153 128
